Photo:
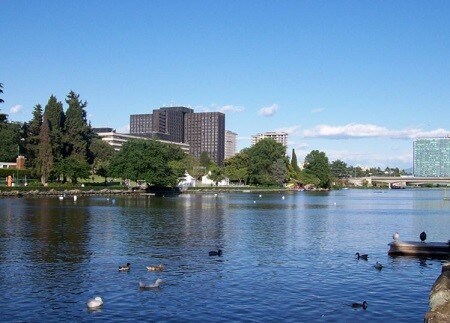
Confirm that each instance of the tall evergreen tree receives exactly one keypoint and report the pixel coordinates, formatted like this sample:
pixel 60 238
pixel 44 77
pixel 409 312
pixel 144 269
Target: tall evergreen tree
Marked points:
pixel 33 129
pixel 55 114
pixel 294 162
pixel 45 156
pixel 76 129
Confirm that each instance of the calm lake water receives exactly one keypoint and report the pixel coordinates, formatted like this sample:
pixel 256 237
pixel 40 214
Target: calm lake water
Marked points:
pixel 290 259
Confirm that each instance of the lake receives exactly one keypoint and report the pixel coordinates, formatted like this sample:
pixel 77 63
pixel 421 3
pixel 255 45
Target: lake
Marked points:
pixel 286 256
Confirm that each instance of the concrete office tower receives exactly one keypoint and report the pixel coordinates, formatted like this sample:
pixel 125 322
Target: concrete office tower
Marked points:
pixel 230 143
pixel 431 157
pixel 205 132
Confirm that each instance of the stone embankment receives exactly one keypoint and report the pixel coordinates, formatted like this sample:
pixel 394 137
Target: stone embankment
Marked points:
pixel 53 192
pixel 439 299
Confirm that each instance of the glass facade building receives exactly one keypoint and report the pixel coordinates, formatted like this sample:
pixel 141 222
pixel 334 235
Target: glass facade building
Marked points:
pixel 432 157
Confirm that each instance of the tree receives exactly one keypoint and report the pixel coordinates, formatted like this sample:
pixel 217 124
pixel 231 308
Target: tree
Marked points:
pixel 338 169
pixel 55 114
pixel 10 141
pixel 261 157
pixel 32 136
pixel 44 160
pixel 102 153
pixel 73 167
pixel 279 171
pixel 236 167
pixel 76 129
pixel 216 174
pixel 316 164
pixel 294 162
pixel 148 160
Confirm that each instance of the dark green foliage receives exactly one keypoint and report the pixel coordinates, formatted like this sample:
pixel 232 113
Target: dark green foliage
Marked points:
pixel 32 132
pixel 101 154
pixel 278 171
pixel 216 174
pixel 339 169
pixel 10 141
pixel 262 156
pixel 294 162
pixel 236 167
pixel 44 161
pixel 73 168
pixel 56 118
pixel 148 160
pixel 76 129
pixel 316 164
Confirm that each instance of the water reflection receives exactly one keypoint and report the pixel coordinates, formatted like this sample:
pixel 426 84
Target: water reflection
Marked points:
pixel 283 259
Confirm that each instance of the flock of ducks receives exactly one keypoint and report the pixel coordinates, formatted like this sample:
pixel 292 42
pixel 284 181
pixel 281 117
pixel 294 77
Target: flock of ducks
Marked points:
pixel 97 302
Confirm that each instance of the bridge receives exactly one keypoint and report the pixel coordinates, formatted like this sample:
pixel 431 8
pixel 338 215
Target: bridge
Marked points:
pixel 399 181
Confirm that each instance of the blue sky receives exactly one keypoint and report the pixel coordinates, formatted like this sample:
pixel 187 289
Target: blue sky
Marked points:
pixel 358 80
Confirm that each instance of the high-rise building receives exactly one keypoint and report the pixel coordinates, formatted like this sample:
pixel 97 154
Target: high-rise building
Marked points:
pixel 204 131
pixel 170 121
pixel 140 123
pixel 280 137
pixel 230 143
pixel 431 157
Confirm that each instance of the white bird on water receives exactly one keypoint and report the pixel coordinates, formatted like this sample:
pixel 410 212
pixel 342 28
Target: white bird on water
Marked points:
pixel 396 236
pixel 156 284
pixel 94 303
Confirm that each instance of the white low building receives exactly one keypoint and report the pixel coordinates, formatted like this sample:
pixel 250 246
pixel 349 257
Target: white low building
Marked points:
pixel 187 181
pixel 206 181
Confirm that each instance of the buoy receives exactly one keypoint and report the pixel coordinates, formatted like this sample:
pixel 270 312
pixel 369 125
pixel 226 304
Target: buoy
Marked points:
pixel 75 198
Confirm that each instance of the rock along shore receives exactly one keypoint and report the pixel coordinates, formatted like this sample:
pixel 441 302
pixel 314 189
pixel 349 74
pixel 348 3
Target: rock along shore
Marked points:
pixel 439 298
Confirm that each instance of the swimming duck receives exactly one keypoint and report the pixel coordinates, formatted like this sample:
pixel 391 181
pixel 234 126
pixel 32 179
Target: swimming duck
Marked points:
pixel 396 236
pixel 125 267
pixel 156 284
pixel 94 303
pixel 160 267
pixel 216 253
pixel 363 257
pixel 362 305
pixel 423 236
pixel 378 266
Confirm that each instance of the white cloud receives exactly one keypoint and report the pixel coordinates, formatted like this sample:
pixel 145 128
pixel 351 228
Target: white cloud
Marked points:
pixel 268 111
pixel 230 108
pixel 16 109
pixel 220 108
pixel 292 130
pixel 353 130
